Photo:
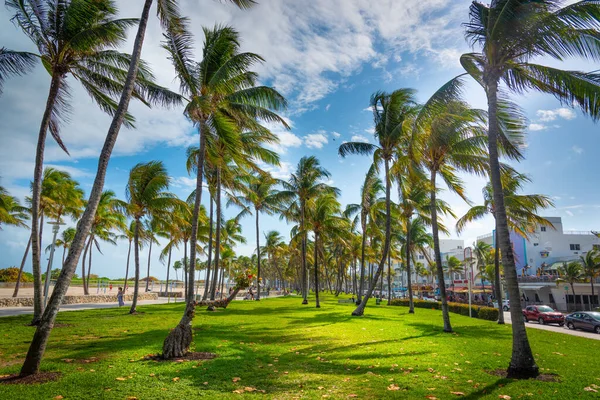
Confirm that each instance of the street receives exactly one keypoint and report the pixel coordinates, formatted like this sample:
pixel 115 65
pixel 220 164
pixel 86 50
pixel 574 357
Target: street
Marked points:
pixel 555 328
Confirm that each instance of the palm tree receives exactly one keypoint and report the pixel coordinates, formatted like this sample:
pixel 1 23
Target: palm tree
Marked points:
pixel 14 63
pixel 177 224
pixel 323 217
pixel 147 197
pixel 452 267
pixel 571 273
pixel 273 248
pixel 521 214
pixel 591 268
pixel 303 186
pixel 510 33
pixel 258 191
pixel 482 253
pixel 153 228
pixel 370 193
pixel 391 114
pixel 73 38
pixel 64 242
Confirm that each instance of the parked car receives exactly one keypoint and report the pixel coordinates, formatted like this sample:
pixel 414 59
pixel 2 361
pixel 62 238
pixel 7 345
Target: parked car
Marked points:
pixel 430 299
pixel 543 315
pixel 588 320
pixel 505 304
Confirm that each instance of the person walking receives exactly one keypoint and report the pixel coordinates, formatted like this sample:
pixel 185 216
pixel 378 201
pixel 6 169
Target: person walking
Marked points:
pixel 120 297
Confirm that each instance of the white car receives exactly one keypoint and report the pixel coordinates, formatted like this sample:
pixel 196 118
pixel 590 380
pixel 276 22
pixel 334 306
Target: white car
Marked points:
pixel 430 299
pixel 505 305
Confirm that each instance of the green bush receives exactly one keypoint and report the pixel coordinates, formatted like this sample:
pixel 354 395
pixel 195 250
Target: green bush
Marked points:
pixel 11 274
pixel 487 313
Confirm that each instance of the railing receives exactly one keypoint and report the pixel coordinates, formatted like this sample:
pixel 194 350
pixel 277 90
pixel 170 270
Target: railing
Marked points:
pixel 545 278
pixel 577 233
pixel 489 235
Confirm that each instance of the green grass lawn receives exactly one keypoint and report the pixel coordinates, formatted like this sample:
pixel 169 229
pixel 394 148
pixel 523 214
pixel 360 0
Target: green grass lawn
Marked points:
pixel 292 351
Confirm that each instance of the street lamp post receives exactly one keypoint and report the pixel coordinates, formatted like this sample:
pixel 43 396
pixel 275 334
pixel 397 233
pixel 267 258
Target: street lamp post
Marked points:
pixel 55 228
pixel 466 251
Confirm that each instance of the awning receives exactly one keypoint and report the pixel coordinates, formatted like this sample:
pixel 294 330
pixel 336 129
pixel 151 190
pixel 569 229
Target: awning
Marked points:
pixel 533 287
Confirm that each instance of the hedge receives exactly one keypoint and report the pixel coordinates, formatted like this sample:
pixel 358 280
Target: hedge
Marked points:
pixel 487 313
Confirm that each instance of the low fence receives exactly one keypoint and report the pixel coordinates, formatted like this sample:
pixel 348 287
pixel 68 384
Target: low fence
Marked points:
pixel 102 298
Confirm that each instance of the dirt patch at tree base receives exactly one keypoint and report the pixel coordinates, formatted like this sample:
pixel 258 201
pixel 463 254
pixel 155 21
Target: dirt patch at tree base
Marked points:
pixel 191 356
pixel 541 377
pixel 40 377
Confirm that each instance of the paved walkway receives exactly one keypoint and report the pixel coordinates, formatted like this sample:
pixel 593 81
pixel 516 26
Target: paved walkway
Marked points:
pixel 555 328
pixel 10 311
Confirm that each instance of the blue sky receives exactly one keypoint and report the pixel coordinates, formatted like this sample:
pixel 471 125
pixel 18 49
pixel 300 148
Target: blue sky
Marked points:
pixel 327 57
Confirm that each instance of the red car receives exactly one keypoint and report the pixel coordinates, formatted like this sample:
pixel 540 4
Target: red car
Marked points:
pixel 543 315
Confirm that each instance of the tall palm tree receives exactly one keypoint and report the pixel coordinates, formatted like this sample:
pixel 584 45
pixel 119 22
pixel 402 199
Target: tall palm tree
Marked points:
pixel 302 186
pixel 591 269
pixel 508 35
pixel 391 115
pixel 273 248
pixel 325 220
pixel 77 39
pixel 448 139
pixel 521 215
pixel 482 253
pixel 370 194
pixel 14 63
pixel 571 273
pixel 66 237
pixel 154 227
pixel 177 223
pixel 147 197
pixel 258 191
pixel 452 267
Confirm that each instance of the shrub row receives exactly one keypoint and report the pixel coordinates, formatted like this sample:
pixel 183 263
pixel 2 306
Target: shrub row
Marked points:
pixel 487 313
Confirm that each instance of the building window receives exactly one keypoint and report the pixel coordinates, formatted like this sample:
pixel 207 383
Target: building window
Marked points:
pixel 575 247
pixel 543 229
pixel 459 247
pixel 536 244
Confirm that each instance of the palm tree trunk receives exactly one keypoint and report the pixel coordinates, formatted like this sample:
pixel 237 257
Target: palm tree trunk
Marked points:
pixel 136 262
pixel 168 271
pixel 210 246
pixel 304 270
pixel 438 256
pixel 148 273
pixel 185 269
pixel 317 302
pixel 386 246
pixel 592 298
pixel 18 284
pixel 36 213
pixel 411 306
pixel 127 269
pixel 217 236
pixel 498 282
pixel 389 278
pixel 92 239
pixel 574 297
pixel 257 257
pixel 40 338
pixel 83 275
pixel 362 261
pixel 64 254
pixel 522 364
pixel 178 341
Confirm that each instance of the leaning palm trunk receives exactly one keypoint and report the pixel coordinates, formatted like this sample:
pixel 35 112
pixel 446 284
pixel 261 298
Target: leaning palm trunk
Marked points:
pixel 83 275
pixel 38 306
pixel 438 256
pixel 498 283
pixel 178 342
pixel 217 238
pixel 40 338
pixel 18 284
pixel 522 364
pixel 136 262
pixel 386 246
pixel 411 306
pixel 168 271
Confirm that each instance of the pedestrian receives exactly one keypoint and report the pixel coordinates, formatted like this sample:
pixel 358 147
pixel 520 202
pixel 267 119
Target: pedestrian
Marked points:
pixel 110 287
pixel 120 297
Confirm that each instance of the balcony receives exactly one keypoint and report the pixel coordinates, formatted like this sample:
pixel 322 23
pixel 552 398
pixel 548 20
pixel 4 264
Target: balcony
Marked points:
pixel 545 278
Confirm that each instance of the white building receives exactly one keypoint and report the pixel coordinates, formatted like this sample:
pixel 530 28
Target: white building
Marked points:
pixel 539 256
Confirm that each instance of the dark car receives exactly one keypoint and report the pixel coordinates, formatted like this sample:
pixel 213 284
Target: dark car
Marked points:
pixel 586 320
pixel 543 315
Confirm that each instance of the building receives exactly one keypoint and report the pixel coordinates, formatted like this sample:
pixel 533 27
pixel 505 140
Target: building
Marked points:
pixel 538 258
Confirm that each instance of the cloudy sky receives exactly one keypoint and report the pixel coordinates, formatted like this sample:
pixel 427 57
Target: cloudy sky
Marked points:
pixel 327 57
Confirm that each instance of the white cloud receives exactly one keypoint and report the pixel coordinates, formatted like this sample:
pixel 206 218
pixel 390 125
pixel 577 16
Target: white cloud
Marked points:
pixel 577 149
pixel 551 115
pixel 370 130
pixel 316 140
pixel 283 171
pixel 367 109
pixel 569 213
pixel 359 138
pixel 327 107
pixel 537 127
pixel 336 134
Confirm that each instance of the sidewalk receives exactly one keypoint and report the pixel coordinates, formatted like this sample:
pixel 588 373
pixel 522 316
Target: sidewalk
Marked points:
pixel 11 311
